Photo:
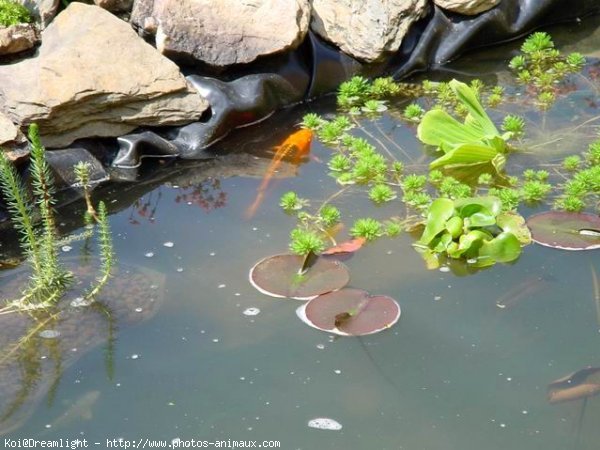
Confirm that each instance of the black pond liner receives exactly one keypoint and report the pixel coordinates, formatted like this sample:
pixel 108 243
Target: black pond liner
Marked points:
pixel 248 94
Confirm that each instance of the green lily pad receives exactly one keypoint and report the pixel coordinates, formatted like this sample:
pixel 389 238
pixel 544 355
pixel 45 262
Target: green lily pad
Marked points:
pixel 566 231
pixel 278 276
pixel 350 312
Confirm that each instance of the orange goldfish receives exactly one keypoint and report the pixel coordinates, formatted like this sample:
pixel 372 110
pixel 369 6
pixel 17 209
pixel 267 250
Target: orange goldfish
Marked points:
pixel 296 146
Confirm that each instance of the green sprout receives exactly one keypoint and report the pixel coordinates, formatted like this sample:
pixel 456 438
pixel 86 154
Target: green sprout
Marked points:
pixel 571 163
pixel 413 112
pixel 312 121
pixel 576 61
pixel 368 228
pixel 340 163
pixel 414 182
pixel 381 193
pixel 392 228
pixel 329 215
pixel 537 42
pixel 485 179
pixel 514 125
pixel 535 191
pixel 304 242
pixel 291 202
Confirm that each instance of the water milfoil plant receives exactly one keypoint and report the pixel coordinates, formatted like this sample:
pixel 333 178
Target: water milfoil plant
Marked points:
pixel 33 218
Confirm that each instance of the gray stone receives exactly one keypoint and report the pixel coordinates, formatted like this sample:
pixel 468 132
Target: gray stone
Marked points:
pixel 365 29
pixel 17 38
pixel 93 76
pixel 8 131
pixel 115 5
pixel 223 32
pixel 43 11
pixel 467 7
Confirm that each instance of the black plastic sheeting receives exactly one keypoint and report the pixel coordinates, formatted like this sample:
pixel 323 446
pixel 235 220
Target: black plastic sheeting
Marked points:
pixel 317 68
pixel 251 94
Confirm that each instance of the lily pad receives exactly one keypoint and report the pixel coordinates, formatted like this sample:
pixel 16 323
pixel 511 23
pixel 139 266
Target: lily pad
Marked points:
pixel 350 312
pixel 278 276
pixel 566 231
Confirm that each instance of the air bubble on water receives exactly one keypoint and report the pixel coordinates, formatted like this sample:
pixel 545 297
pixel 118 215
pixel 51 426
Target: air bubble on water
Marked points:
pixel 444 269
pixel 66 248
pixel 149 254
pixel 242 378
pixel 324 423
pixel 212 254
pixel 215 340
pixel 437 298
pixel 154 286
pixel 139 310
pixel 251 311
pixel 237 294
pixel 320 346
pixel 48 425
pixel 49 334
pixel 180 269
pixel 168 244
pixel 337 371
pixel 524 411
pixel 135 356
pixel 221 286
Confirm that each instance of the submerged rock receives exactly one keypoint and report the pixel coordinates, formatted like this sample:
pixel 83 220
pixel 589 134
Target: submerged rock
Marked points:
pixel 93 76
pixel 366 29
pixel 223 32
pixel 17 38
pixel 467 7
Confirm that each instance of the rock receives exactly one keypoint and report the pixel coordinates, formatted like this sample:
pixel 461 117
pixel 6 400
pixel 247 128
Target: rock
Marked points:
pixel 365 29
pixel 17 38
pixel 115 5
pixel 8 131
pixel 223 32
pixel 467 7
pixel 43 11
pixel 93 76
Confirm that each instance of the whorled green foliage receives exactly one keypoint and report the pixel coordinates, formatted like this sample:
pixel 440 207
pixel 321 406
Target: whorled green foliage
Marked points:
pixel 13 13
pixel 49 279
pixel 107 255
pixel 53 275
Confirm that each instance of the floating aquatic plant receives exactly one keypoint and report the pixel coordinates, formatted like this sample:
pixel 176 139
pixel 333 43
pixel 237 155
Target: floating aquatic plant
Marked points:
pixel 565 231
pixel 350 312
pixel 282 276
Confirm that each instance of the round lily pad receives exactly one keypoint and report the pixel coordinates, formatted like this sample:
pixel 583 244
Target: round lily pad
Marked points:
pixel 350 312
pixel 278 276
pixel 566 231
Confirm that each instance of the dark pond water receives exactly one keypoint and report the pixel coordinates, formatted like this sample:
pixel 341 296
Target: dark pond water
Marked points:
pixel 456 372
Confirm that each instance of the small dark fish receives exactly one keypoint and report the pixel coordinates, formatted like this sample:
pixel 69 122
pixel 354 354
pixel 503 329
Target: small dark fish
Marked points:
pixel 578 385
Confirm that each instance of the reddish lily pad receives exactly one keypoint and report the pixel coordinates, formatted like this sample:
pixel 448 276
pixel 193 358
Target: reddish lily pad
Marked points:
pixel 278 276
pixel 350 246
pixel 566 231
pixel 350 312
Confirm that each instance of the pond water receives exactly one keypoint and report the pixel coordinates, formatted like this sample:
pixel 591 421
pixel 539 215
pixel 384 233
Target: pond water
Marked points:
pixel 456 372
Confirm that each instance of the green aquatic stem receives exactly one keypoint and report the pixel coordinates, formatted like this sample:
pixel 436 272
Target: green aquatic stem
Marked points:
pixel 107 256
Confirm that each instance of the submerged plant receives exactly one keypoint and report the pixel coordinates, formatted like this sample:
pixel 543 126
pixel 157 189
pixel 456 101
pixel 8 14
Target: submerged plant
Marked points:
pixel 49 280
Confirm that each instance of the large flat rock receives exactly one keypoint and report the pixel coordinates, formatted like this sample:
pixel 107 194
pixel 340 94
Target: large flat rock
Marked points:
pixel 223 32
pixel 368 30
pixel 93 76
